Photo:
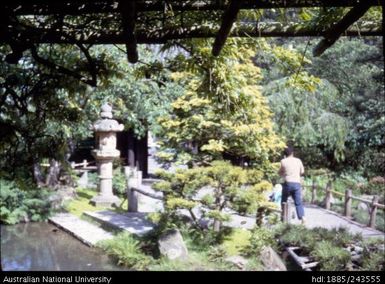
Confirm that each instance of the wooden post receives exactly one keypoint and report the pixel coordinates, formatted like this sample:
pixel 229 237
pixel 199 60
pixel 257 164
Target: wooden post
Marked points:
pixel 348 203
pixel 142 154
pixel 313 192
pixel 285 213
pixel 259 219
pixel 373 212
pixel 328 196
pixel 132 195
pixel 131 149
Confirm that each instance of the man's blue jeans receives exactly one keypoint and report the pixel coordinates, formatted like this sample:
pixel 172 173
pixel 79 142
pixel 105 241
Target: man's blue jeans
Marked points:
pixel 294 190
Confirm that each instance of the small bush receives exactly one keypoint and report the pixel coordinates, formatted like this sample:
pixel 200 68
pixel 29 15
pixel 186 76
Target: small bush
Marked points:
pixel 260 238
pixel 119 183
pixel 18 205
pixel 374 261
pixel 373 255
pixel 375 186
pixel 126 249
pixel 93 178
pixel 330 256
pixel 217 254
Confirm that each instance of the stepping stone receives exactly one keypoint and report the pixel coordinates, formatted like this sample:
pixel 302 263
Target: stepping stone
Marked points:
pixel 86 232
pixel 134 223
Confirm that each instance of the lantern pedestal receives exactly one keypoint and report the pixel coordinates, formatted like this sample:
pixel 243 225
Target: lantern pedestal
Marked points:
pixel 105 130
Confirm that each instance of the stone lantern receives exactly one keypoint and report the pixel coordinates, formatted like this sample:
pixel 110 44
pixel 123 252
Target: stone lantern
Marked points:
pixel 105 132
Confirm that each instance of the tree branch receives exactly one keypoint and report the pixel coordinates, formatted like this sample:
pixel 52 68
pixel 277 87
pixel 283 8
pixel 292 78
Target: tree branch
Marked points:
pixel 60 69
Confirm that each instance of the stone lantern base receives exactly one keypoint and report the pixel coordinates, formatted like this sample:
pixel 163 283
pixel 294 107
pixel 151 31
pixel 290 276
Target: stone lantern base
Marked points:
pixel 105 201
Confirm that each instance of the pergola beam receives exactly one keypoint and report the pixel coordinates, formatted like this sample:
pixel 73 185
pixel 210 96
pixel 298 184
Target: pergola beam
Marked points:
pixel 335 31
pixel 229 18
pixel 128 12
pixel 39 35
pixel 81 7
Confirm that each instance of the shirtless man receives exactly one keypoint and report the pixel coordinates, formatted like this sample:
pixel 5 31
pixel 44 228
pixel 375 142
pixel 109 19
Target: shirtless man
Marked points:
pixel 291 170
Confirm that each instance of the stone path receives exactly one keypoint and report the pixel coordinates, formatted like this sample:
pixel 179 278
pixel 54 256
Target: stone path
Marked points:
pixel 135 223
pixel 319 217
pixel 86 232
pixel 90 234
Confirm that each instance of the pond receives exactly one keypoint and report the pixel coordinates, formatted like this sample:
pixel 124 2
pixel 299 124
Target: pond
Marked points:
pixel 43 247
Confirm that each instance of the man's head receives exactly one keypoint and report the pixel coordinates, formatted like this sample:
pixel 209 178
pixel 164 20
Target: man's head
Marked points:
pixel 289 151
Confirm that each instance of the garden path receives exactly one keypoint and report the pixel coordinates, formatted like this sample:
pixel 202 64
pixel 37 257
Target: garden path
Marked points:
pixel 315 215
pixel 320 217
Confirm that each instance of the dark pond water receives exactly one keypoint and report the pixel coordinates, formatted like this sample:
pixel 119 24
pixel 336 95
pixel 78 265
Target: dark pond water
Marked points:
pixel 42 246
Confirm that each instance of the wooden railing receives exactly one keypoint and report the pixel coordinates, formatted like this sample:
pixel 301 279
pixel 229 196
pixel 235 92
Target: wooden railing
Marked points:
pixel 83 164
pixel 348 197
pixel 74 165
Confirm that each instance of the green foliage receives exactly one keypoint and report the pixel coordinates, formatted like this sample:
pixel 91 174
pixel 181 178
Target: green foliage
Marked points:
pixel 260 238
pixel 42 109
pixel 328 247
pixel 330 256
pixel 217 254
pixel 17 205
pixel 81 202
pixel 93 178
pixel 332 116
pixel 197 261
pixel 305 118
pixel 227 187
pixel 43 116
pixel 237 242
pixel 353 180
pixel 301 236
pixel 221 113
pixel 126 249
pixel 374 262
pixel 359 99
pixel 373 256
pixel 119 182
pixel 139 93
pixel 375 186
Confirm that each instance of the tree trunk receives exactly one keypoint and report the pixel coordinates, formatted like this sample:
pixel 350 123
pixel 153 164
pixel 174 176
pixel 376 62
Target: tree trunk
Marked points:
pixel 219 201
pixel 37 174
pixel 52 179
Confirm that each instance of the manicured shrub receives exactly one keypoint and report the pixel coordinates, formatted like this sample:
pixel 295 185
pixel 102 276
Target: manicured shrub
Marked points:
pixel 330 256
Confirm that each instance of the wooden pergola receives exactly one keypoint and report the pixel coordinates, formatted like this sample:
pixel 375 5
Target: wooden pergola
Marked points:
pixel 27 22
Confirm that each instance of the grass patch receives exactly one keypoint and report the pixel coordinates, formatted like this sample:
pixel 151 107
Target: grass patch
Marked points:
pixel 82 203
pixel 236 242
pixel 197 261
